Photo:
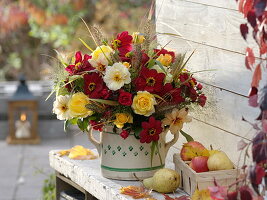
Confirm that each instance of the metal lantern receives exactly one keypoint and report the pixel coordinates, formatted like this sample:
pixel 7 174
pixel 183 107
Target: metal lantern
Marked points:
pixel 23 116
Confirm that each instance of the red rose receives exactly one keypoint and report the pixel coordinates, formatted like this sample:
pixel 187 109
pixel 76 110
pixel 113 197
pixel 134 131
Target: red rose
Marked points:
pixel 125 98
pixel 202 100
pixel 124 134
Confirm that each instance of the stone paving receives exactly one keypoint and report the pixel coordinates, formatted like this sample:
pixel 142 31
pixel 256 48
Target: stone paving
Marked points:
pixel 19 165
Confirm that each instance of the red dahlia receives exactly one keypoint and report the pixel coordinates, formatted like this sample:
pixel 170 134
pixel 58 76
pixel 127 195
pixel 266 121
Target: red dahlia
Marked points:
pixel 94 85
pixel 171 95
pixel 151 130
pixel 150 80
pixel 81 64
pixel 123 43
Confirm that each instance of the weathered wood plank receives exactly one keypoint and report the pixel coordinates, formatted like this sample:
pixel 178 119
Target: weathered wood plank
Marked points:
pixel 227 65
pixel 225 4
pixel 225 110
pixel 204 24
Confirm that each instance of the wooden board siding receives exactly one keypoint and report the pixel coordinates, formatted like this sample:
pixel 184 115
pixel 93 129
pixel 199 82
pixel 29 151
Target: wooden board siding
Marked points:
pixel 211 28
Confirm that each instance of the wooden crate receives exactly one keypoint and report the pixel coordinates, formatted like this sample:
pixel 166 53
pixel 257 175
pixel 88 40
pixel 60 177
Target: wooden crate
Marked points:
pixel 190 180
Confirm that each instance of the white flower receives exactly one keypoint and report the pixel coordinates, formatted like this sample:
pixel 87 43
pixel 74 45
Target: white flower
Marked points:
pixel 60 107
pixel 116 76
pixel 168 77
pixel 101 56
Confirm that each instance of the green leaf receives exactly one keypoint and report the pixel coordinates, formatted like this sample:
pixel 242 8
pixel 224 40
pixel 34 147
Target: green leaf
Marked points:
pixel 66 125
pixel 153 147
pixel 161 66
pixel 157 145
pixel 83 124
pixel 187 136
pixel 151 63
pixel 137 131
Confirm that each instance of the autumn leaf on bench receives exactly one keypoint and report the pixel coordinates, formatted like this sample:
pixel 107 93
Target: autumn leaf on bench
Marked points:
pixel 137 192
pixel 78 153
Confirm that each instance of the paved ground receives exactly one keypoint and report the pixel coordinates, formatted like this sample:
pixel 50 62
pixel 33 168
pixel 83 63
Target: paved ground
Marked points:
pixel 19 166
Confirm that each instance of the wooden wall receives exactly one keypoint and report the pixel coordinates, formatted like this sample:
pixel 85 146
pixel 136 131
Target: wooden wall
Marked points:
pixel 211 27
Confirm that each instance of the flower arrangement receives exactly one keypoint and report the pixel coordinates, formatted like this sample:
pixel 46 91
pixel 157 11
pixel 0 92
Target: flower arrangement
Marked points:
pixel 128 84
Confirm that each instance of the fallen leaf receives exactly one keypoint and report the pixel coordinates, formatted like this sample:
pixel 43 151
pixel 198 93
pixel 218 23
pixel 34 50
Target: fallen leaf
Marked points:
pixel 137 192
pixel 201 195
pixel 167 197
pixel 78 153
pixel 256 76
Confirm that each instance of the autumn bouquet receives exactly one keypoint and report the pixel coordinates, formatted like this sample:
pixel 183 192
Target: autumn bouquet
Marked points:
pixel 127 83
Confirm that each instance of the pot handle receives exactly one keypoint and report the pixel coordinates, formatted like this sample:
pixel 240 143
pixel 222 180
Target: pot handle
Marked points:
pixel 172 142
pixel 94 141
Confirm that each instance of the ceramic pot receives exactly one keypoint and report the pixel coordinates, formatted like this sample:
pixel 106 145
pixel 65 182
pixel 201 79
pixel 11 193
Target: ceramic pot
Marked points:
pixel 126 159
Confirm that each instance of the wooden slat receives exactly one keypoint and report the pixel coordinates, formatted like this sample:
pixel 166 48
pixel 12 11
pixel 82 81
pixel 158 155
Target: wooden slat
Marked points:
pixel 208 25
pixel 224 110
pixel 224 4
pixel 227 67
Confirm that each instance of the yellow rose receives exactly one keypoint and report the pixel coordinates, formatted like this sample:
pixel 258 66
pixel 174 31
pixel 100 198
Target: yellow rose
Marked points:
pixel 143 103
pixel 165 59
pixel 77 105
pixel 138 38
pixel 101 55
pixel 122 118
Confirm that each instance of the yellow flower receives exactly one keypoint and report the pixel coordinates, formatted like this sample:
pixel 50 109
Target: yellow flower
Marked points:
pixel 77 105
pixel 122 118
pixel 126 64
pixel 176 119
pixel 165 59
pixel 138 38
pixel 101 56
pixel 143 103
pixel 201 195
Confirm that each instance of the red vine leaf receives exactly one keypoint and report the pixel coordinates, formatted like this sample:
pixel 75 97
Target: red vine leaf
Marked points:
pixel 247 7
pixel 256 76
pixel 253 97
pixel 250 58
pixel 252 18
pixel 244 30
pixel 240 5
pixel 263 47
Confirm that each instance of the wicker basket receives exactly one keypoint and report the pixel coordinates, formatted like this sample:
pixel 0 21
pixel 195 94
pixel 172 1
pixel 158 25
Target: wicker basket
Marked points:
pixel 190 180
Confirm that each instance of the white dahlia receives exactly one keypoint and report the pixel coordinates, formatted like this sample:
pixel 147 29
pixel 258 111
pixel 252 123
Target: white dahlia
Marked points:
pixel 116 76
pixel 60 107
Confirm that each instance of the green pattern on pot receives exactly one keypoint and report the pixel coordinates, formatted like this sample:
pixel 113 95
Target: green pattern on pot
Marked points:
pixel 120 157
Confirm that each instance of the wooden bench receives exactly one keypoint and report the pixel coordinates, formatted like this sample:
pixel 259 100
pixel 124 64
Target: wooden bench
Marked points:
pixel 85 176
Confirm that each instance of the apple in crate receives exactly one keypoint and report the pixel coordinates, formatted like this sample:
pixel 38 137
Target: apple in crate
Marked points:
pixel 200 164
pixel 191 150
